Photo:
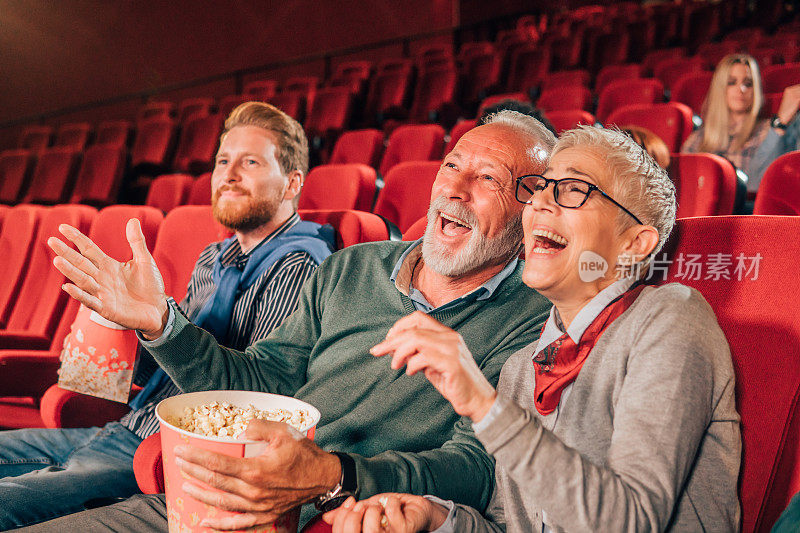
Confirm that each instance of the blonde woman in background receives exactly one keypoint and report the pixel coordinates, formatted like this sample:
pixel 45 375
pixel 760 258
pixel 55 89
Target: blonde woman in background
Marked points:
pixel 731 124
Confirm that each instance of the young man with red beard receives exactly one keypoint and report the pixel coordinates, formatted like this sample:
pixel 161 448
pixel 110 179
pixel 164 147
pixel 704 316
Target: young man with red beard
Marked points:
pixel 380 429
pixel 240 290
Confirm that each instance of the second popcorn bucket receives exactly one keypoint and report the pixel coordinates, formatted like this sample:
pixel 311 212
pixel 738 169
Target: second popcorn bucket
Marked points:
pixel 184 513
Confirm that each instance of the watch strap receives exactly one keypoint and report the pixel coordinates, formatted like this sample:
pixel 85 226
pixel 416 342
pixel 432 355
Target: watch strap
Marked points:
pixel 777 123
pixel 349 481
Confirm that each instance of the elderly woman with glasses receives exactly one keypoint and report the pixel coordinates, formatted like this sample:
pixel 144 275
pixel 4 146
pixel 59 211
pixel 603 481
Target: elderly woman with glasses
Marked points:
pixel 622 416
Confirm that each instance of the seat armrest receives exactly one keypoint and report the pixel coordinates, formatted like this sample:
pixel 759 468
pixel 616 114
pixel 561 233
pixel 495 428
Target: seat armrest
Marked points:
pixel 61 408
pixel 147 465
pixel 27 372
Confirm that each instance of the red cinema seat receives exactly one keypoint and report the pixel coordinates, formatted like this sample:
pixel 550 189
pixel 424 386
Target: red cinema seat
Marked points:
pixel 710 54
pixel 260 90
pixel 198 144
pixel 231 102
pixel 478 74
pixel 435 87
pixel 41 301
pixel 569 118
pixel 406 194
pixel 779 190
pixel 691 89
pixel 74 135
pixel 192 107
pixel 155 110
pixel 670 71
pixel 155 138
pixel 566 97
pixel 458 130
pixel 54 176
pixel 745 38
pixel 387 91
pixel 656 56
pixel 777 77
pixel 772 102
pixel 609 73
pixel 15 170
pixel 100 176
pixel 290 102
pixel 566 78
pixel 306 86
pixel 416 230
pixel 605 48
pixel 627 92
pixel 414 142
pixel 358 146
pixel 346 186
pixel 352 227
pixel 671 121
pixel 200 190
pixel 761 321
pixel 528 67
pixel 168 191
pixel 114 132
pixel 489 101
pixel 330 113
pixel 358 70
pixel 705 184
pixel 20 227
pixel 35 138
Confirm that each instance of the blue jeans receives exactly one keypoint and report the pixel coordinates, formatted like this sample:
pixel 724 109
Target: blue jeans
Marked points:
pixel 47 473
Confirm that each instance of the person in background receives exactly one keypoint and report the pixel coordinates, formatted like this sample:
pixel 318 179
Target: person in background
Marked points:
pixel 259 171
pixel 652 144
pixel 622 416
pixel 520 107
pixel 732 126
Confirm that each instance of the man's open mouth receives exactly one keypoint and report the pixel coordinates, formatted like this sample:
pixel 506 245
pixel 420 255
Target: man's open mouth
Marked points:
pixel 452 226
pixel 548 242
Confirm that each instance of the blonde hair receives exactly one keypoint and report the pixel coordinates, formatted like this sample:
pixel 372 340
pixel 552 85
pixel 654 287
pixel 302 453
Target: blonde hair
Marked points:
pixel 292 147
pixel 715 108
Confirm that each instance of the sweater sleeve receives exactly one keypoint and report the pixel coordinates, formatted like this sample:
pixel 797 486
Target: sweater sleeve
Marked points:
pixel 664 406
pixel 772 147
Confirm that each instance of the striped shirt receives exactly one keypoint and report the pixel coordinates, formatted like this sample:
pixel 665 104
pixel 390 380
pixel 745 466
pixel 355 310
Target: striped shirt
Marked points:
pixel 259 310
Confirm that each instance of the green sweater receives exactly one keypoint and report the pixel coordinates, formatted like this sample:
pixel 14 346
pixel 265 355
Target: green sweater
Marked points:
pixel 403 435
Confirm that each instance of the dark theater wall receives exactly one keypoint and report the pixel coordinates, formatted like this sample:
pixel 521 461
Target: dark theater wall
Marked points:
pixel 59 54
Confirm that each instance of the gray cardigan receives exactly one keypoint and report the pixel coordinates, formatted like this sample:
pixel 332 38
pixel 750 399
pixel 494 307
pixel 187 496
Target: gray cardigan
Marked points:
pixel 647 440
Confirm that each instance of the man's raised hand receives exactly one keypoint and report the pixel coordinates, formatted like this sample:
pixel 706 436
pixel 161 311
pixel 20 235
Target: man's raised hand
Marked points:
pixel 130 294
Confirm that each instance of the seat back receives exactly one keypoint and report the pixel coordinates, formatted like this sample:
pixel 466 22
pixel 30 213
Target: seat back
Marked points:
pixel 406 194
pixel 761 321
pixel 41 301
pixel 567 119
pixel 346 186
pixel 108 228
pixel 17 236
pixel 155 110
pixel 331 111
pixel 626 92
pixel 352 227
pixel 705 184
pixel 458 130
pixel 611 73
pixel 194 107
pixel 292 103
pixel 358 146
pixel 654 57
pixel 54 176
pixel 489 101
pixel 231 102
pixel 100 175
pixel 670 70
pixel 710 54
pixel 478 73
pixel 386 91
pixel 779 190
pixel 198 143
pixel 184 233
pixel 15 168
pixel 353 70
pixel 114 132
pixel 414 142
pixel 74 135
pixel 564 97
pixel 691 89
pixel 200 190
pixel 416 230
pixel 528 67
pixel 435 86
pixel 168 191
pixel 35 138
pixel 672 121
pixel 260 90
pixel 778 77
pixel 154 141
pixel 566 78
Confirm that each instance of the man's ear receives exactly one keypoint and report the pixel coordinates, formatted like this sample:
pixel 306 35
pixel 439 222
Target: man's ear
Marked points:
pixel 294 184
pixel 640 241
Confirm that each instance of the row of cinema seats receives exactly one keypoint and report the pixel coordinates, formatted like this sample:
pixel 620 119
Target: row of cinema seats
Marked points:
pixel 35 314
pixel 751 304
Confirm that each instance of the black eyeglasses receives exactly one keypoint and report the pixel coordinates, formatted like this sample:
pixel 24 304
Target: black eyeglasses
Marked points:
pixel 568 192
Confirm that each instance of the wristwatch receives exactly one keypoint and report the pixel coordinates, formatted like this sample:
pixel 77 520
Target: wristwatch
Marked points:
pixel 777 124
pixel 347 486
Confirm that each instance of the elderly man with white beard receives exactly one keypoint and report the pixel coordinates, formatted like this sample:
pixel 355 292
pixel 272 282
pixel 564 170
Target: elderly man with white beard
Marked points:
pixel 381 430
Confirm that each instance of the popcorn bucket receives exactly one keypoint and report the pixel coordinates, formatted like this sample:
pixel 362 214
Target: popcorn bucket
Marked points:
pixel 98 357
pixel 184 513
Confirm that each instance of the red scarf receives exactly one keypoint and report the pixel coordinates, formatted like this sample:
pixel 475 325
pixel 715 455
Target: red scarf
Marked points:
pixel 560 362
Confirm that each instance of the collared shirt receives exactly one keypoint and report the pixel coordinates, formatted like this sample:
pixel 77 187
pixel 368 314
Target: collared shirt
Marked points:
pixel 257 311
pixel 403 274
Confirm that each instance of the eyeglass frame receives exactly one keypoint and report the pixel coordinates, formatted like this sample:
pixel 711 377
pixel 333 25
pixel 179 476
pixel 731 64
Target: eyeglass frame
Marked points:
pixel 548 181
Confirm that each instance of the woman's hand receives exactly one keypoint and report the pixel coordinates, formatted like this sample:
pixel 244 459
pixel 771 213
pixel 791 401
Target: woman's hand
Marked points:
pixel 421 343
pixel 789 104
pixel 395 513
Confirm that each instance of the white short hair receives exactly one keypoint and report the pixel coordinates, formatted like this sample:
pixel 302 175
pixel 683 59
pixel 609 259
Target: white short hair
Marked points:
pixel 638 182
pixel 529 126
